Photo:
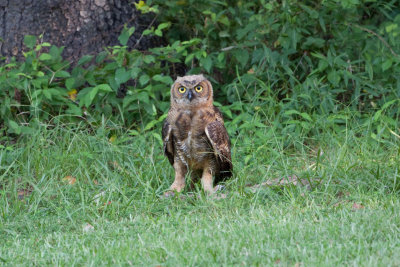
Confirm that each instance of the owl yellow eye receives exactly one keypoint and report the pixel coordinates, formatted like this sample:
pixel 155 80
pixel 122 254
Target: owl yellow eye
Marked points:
pixel 182 89
pixel 198 88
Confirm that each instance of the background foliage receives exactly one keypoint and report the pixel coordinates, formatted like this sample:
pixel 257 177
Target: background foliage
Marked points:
pixel 301 66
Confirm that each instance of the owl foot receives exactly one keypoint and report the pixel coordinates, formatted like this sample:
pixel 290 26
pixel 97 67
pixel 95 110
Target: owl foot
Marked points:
pixel 168 194
pixel 219 188
pixel 219 196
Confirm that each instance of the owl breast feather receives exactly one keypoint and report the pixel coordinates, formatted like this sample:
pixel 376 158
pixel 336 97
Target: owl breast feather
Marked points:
pixel 192 143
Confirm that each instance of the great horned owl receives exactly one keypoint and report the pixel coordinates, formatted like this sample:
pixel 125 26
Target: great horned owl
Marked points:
pixel 194 135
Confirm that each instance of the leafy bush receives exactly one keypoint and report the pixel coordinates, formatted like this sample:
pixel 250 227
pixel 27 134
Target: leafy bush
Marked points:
pixel 43 86
pixel 310 58
pixel 298 65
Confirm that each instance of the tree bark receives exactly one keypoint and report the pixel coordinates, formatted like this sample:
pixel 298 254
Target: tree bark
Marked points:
pixel 81 26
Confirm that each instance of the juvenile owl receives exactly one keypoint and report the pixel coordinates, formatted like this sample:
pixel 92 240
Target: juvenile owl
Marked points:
pixel 194 135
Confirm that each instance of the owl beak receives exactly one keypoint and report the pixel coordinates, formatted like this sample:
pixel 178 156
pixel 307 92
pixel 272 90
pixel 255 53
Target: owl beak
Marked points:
pixel 190 95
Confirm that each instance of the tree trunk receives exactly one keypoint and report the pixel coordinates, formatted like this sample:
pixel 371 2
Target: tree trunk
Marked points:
pixel 82 26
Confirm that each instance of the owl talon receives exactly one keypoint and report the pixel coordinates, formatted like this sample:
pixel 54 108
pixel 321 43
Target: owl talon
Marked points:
pixel 169 194
pixel 219 188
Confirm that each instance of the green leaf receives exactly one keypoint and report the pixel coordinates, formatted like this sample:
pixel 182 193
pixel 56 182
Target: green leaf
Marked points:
pixel 144 79
pixel 391 27
pixel 221 57
pixel 150 125
pixel 143 97
pixel 206 63
pixel 387 104
pixel 36 93
pixel 85 59
pixel 387 64
pixel 101 56
pixel 291 112
pixel 150 109
pixel 94 91
pixel 223 34
pixel 189 59
pixel 163 79
pixel 334 78
pixel 306 116
pixel 306 125
pixel 224 20
pixel 104 87
pixel 111 66
pixel 164 25
pixel 135 72
pixel 258 55
pixel 128 100
pixel 378 114
pixel 160 27
pixel 92 94
pixel 370 70
pixel 125 34
pixel 227 112
pixel 14 126
pixel 62 74
pixel 40 74
pixel 113 84
pixel 158 32
pixel 74 109
pixel 69 83
pixel 318 55
pixel 30 41
pixel 322 23
pixel 147 32
pixel 247 159
pixel 55 52
pixel 312 41
pixel 259 124
pixel 149 59
pixel 158 137
pixel 122 76
pixel 242 56
pixel 27 130
pixel 47 94
pixel 322 64
pixel 45 56
pixel 162 117
pixel 133 132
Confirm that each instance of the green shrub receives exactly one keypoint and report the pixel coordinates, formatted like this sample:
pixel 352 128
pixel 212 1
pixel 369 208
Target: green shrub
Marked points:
pixel 42 86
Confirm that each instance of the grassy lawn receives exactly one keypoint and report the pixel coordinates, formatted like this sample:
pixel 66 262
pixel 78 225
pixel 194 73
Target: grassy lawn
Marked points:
pixel 72 197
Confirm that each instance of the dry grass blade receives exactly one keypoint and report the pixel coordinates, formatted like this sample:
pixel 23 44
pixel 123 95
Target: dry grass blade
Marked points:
pixel 69 179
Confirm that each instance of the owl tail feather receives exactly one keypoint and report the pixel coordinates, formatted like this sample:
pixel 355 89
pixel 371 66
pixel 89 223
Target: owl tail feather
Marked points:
pixel 224 174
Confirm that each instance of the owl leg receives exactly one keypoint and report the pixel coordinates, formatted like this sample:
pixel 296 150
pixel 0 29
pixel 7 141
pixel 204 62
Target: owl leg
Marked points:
pixel 180 172
pixel 207 180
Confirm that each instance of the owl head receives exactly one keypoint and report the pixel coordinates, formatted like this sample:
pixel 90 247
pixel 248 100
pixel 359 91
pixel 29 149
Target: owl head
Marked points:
pixel 192 90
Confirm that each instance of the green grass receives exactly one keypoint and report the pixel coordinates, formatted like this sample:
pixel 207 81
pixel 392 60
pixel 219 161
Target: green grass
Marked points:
pixel 350 218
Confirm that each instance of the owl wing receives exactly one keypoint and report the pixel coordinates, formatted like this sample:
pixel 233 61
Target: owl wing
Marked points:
pixel 219 139
pixel 168 142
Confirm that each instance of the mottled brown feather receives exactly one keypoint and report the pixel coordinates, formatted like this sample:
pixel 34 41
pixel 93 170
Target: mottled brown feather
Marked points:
pixel 168 142
pixel 219 139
